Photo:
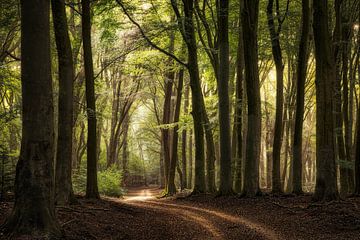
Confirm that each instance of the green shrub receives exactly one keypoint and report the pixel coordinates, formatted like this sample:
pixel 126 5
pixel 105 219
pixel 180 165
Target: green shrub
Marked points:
pixel 109 182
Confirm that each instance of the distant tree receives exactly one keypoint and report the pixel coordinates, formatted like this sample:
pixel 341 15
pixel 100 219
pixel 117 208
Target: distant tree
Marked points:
pixel 34 212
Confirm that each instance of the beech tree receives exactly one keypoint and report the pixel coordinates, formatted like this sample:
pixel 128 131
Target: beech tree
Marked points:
pixel 91 183
pixel 249 21
pixel 326 185
pixel 34 210
pixel 63 190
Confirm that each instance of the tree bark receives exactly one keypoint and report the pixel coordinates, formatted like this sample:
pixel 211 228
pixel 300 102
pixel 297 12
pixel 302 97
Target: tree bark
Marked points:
pixel 63 183
pixel 34 212
pixel 224 104
pixel 238 112
pixel 171 188
pixel 300 95
pixel 91 180
pixel 278 133
pixel 326 184
pixel 249 20
pixel 184 140
pixel 188 34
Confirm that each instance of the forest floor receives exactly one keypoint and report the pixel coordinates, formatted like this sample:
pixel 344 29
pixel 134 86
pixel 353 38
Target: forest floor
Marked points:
pixel 141 215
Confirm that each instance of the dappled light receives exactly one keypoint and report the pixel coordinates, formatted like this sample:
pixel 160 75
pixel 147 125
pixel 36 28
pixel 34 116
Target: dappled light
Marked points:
pixel 179 119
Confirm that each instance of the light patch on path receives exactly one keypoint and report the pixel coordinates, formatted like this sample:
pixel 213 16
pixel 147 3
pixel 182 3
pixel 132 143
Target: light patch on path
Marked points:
pixel 142 195
pixel 269 234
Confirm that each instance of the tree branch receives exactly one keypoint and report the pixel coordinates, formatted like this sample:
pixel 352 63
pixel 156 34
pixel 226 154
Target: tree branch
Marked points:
pixel 151 43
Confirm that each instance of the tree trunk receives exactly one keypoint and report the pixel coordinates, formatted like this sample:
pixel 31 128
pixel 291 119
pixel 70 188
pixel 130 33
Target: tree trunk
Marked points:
pixel 190 182
pixel 184 140
pixel 197 96
pixel 125 152
pixel 91 180
pixel 326 185
pixel 171 188
pixel 238 112
pixel 300 95
pixel 277 55
pixel 223 94
pixel 34 212
pixel 63 184
pixel 338 115
pixel 249 20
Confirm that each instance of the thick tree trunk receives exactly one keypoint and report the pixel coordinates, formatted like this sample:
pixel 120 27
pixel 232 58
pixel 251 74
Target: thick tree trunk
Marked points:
pixel 224 105
pixel 277 55
pixel 171 188
pixel 249 20
pixel 91 180
pixel 34 212
pixel 63 184
pixel 238 112
pixel 326 185
pixel 300 95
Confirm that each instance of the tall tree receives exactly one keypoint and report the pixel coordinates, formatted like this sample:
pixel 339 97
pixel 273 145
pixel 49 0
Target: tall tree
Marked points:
pixel 223 93
pixel 63 184
pixel 326 182
pixel 34 211
pixel 277 55
pixel 91 180
pixel 239 111
pixel 171 189
pixel 184 139
pixel 188 33
pixel 249 21
pixel 300 95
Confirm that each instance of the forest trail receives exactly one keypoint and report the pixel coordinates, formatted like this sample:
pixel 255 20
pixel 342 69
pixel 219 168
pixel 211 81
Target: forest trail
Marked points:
pixel 215 223
pixel 140 215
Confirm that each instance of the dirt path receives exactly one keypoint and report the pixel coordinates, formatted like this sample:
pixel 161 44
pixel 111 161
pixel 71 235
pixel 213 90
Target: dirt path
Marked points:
pixel 214 223
pixel 141 216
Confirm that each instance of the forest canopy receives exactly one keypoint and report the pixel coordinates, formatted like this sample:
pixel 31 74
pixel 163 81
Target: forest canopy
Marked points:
pixel 239 97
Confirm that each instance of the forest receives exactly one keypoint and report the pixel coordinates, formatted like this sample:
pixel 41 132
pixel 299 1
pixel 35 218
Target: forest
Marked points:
pixel 179 119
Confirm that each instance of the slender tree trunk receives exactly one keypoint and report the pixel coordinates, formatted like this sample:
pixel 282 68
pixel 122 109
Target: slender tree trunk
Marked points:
pixel 326 185
pixel 339 116
pixel 63 184
pixel 190 182
pixel 249 20
pixel 346 36
pixel 171 188
pixel 300 95
pixel 91 180
pixel 34 211
pixel 357 154
pixel 277 55
pixel 184 140
pixel 238 112
pixel 224 105
pixel 125 152
pixel 197 96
